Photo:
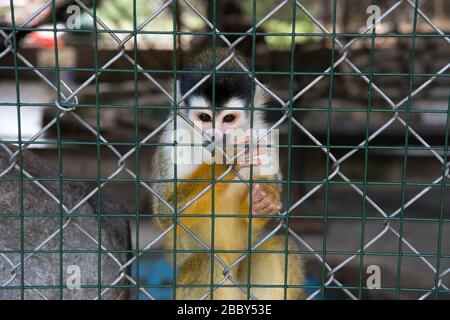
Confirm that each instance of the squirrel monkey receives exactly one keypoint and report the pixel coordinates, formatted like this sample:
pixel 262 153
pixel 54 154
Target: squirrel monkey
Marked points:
pixel 220 216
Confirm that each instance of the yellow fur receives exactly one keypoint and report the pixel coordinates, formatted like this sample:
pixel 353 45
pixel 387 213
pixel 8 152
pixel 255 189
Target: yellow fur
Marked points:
pixel 230 233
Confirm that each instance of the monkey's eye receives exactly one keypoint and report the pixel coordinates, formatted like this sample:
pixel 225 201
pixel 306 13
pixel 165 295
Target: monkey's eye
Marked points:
pixel 204 117
pixel 229 118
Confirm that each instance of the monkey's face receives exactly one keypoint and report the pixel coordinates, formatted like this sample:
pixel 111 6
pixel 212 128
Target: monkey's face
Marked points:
pixel 229 93
pixel 221 123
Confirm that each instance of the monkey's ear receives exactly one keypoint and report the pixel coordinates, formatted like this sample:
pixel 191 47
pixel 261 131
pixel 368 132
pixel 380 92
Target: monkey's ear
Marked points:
pixel 261 97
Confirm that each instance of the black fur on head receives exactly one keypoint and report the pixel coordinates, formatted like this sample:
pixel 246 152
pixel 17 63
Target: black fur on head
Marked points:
pixel 227 85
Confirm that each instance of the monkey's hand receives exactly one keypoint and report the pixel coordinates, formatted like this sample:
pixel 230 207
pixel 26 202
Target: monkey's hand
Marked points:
pixel 251 156
pixel 265 196
pixel 265 199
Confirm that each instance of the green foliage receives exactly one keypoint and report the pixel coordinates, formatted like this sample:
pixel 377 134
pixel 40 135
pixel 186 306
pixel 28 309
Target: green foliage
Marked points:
pixel 278 42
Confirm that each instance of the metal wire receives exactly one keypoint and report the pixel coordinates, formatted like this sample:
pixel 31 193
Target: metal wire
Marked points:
pixel 67 103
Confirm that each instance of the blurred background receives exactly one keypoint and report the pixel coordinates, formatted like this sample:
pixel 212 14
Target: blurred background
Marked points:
pixel 341 115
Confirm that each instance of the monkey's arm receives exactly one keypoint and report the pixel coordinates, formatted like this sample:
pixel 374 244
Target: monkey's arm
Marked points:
pixel 265 196
pixel 265 203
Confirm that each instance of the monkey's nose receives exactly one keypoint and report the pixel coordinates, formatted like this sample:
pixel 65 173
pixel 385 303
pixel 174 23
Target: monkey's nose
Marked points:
pixel 217 140
pixel 213 138
pixel 218 135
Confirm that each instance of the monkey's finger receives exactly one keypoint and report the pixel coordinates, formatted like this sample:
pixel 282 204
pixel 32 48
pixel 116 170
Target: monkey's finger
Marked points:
pixel 246 163
pixel 261 203
pixel 261 150
pixel 256 162
pixel 274 208
pixel 257 196
pixel 271 209
pixel 242 142
pixel 261 208
pixel 255 151
pixel 257 144
pixel 246 139
pixel 277 206
pixel 262 144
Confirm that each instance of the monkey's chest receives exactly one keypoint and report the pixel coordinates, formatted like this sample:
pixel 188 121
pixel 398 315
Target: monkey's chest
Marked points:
pixel 219 220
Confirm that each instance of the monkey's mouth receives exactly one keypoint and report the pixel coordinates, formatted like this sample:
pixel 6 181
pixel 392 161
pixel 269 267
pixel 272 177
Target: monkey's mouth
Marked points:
pixel 220 152
pixel 221 143
pixel 209 145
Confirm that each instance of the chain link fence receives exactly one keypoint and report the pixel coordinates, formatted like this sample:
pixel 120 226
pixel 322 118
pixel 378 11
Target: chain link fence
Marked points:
pixel 390 222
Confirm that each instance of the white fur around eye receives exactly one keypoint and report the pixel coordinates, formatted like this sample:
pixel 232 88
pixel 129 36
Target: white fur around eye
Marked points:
pixel 235 103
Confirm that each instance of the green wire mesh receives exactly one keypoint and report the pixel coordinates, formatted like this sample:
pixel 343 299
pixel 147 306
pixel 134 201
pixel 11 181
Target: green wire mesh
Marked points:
pixel 129 162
